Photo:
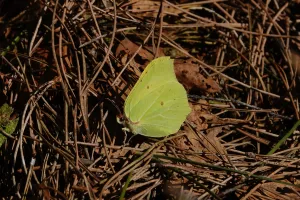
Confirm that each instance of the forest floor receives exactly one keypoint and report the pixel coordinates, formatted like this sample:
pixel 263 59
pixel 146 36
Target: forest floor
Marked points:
pixel 68 66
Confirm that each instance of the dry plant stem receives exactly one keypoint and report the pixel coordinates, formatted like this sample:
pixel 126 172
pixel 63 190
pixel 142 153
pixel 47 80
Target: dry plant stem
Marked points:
pixel 211 24
pixel 252 67
pixel 161 14
pixel 60 47
pixel 213 69
pixel 203 20
pixel 83 99
pixel 104 133
pixel 139 185
pixel 129 167
pixel 270 176
pixel 44 167
pixel 65 91
pixel 23 69
pixel 66 120
pixel 143 194
pixel 216 187
pixel 257 109
pixel 224 75
pixel 139 48
pixel 65 154
pixel 273 20
pixel 245 31
pixel 65 75
pixel 261 131
pixel 145 156
pixel 260 140
pixel 24 122
pixel 102 125
pixel 91 193
pixel 100 65
pixel 66 128
pixel 285 81
pixel 91 7
pixel 192 179
pixel 75 128
pixel 213 166
pixel 12 66
pixel 32 41
pixel 28 183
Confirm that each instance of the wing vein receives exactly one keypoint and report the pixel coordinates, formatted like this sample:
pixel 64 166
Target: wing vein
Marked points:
pixel 153 90
pixel 146 110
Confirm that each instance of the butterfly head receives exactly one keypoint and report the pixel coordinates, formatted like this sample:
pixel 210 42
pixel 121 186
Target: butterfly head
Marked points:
pixel 121 119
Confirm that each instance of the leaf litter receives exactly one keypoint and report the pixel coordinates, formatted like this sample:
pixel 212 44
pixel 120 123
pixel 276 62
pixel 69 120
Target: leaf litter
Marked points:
pixel 67 71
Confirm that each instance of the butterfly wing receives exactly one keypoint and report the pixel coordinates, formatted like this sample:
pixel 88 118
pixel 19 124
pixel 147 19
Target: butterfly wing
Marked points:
pixel 157 105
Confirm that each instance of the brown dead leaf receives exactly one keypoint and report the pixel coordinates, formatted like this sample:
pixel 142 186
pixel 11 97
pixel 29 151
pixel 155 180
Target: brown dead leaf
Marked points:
pixel 279 191
pixel 198 123
pixel 190 141
pixel 126 46
pixel 188 74
pixel 200 117
pixel 45 191
pixel 197 142
pixel 194 140
pixel 180 192
pixel 212 143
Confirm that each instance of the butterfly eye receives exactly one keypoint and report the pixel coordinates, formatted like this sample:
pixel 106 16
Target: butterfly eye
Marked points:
pixel 120 119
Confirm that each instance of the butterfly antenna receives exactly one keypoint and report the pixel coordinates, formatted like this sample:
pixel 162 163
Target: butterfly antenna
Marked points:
pixel 115 105
pixel 131 138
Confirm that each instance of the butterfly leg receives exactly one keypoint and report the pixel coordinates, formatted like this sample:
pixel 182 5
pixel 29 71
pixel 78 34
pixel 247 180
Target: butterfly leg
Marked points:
pixel 125 133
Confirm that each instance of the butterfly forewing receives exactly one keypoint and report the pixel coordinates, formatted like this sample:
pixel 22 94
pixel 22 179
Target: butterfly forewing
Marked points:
pixel 157 105
pixel 155 74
